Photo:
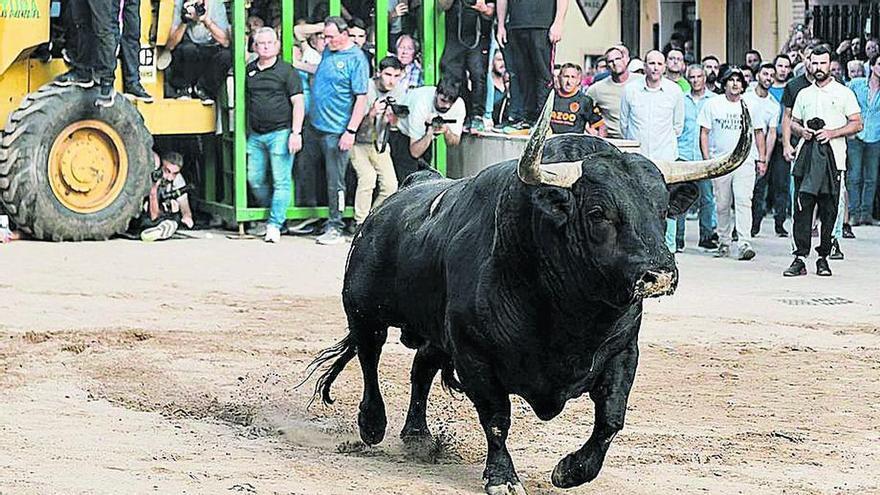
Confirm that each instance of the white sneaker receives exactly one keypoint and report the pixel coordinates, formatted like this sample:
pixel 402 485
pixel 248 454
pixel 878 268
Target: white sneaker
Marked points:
pixel 746 252
pixel 164 230
pixel 273 234
pixel 330 237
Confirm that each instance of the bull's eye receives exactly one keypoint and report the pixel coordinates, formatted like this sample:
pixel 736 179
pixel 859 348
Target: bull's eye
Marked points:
pixel 596 213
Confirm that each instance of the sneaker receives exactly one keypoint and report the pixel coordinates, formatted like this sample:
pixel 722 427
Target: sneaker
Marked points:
pixel 822 268
pixel 836 253
pixel 306 227
pixel 734 236
pixel 679 249
pixel 137 92
pixel 746 252
pixel 201 94
pixel 164 230
pixel 723 251
pixel 257 229
pixel 172 93
pixel 273 234
pixel 755 231
pixel 796 269
pixel 106 96
pixel 847 231
pixel 74 77
pixel 781 232
pixel 331 236
pixel 477 125
pixel 520 127
pixel 710 244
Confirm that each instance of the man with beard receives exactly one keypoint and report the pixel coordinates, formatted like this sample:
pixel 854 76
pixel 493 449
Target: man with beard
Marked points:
pixel 765 114
pixel 721 123
pixel 608 92
pixel 711 65
pixel 573 111
pixel 433 111
pixel 652 111
pixel 835 108
pixel 675 69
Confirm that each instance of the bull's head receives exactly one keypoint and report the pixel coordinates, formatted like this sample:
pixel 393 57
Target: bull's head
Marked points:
pixel 610 208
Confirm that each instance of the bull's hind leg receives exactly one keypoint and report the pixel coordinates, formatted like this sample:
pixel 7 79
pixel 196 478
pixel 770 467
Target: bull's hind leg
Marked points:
pixel 370 336
pixel 609 394
pixel 426 364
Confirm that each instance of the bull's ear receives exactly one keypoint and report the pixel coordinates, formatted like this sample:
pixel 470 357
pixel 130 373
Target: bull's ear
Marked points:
pixel 554 203
pixel 681 197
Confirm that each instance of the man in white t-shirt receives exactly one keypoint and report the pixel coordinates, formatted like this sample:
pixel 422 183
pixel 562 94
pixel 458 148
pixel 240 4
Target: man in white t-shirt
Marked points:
pixel 606 94
pixel 433 111
pixel 837 107
pixel 764 109
pixel 720 123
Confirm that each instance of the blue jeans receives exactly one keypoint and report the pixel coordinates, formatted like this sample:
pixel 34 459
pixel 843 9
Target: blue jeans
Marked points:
pixel 335 165
pixel 269 153
pixel 861 177
pixel 708 217
pixel 675 232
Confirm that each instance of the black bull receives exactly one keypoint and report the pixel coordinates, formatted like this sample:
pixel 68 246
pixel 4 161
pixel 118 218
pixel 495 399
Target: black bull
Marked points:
pixel 513 286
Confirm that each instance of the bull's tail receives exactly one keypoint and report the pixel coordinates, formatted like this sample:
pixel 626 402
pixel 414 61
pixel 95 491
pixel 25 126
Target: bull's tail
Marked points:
pixel 448 379
pixel 340 354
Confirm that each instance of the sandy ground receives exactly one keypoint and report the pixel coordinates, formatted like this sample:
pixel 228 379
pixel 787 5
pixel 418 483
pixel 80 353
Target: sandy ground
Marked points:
pixel 169 368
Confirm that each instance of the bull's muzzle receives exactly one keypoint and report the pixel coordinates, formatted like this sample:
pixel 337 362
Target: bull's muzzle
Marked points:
pixel 656 284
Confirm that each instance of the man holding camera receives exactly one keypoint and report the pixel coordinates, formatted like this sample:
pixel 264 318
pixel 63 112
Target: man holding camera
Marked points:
pixel 370 155
pixel 433 111
pixel 199 45
pixel 167 205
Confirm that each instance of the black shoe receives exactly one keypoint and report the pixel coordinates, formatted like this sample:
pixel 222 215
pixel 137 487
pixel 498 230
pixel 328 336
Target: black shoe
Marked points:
pixel 106 96
pixel 74 78
pixel 868 221
pixel 709 244
pixel 172 93
pixel 137 92
pixel 714 237
pixel 822 268
pixel 735 236
pixel 755 231
pixel 201 94
pixel 781 232
pixel 847 232
pixel 796 269
pixel 836 253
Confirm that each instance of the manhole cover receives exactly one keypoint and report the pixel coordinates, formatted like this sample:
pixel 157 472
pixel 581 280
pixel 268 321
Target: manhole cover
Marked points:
pixel 816 301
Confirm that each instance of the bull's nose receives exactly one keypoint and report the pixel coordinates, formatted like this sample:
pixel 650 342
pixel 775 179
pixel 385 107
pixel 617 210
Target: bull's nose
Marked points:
pixel 656 283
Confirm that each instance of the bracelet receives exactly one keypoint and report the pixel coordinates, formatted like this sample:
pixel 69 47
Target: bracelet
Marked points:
pixel 351 131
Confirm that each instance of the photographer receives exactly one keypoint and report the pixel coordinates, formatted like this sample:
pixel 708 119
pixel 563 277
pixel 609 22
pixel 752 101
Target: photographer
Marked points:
pixel 433 111
pixel 468 28
pixel 370 155
pixel 167 205
pixel 199 45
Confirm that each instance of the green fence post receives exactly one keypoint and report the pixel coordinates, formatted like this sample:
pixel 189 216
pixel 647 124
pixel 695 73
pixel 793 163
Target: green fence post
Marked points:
pixel 335 7
pixel 240 143
pixel 381 31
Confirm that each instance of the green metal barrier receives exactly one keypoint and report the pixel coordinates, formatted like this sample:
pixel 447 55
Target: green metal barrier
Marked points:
pixel 233 207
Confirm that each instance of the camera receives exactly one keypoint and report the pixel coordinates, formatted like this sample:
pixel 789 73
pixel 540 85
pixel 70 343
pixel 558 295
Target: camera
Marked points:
pixel 164 195
pixel 401 111
pixel 439 121
pixel 156 175
pixel 198 8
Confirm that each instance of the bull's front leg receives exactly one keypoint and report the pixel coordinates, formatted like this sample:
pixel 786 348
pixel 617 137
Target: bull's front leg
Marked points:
pixel 609 394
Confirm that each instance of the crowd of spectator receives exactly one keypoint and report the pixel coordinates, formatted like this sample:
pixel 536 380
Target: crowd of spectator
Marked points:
pixel 813 107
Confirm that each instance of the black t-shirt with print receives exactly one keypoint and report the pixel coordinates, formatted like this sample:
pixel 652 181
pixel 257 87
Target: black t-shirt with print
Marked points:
pixel 571 114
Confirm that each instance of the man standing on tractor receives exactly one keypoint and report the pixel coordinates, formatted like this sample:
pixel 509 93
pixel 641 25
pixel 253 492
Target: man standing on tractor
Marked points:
pixel 94 29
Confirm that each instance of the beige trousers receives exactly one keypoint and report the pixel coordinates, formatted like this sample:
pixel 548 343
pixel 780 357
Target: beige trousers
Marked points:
pixel 370 165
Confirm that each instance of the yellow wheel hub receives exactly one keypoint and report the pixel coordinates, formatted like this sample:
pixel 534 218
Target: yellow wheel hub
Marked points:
pixel 87 166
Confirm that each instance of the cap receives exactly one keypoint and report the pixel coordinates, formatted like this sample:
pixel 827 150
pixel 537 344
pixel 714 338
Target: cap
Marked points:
pixel 732 71
pixel 636 65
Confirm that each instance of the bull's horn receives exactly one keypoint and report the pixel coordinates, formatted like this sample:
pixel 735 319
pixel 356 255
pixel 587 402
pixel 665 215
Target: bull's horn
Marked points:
pixel 530 170
pixel 675 172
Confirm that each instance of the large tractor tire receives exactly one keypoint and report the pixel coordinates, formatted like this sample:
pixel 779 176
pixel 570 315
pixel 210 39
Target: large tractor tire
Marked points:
pixel 70 170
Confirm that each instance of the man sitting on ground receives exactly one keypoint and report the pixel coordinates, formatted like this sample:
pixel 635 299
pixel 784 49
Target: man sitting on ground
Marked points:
pixel 167 205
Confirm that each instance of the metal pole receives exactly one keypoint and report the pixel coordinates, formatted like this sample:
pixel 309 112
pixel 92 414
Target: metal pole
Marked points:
pixel 240 139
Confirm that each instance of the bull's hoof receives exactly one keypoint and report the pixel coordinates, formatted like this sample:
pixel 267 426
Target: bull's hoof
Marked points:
pixel 506 489
pixel 372 423
pixel 576 469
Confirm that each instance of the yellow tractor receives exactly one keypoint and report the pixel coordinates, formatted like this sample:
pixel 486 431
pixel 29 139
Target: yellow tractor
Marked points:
pixel 68 169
